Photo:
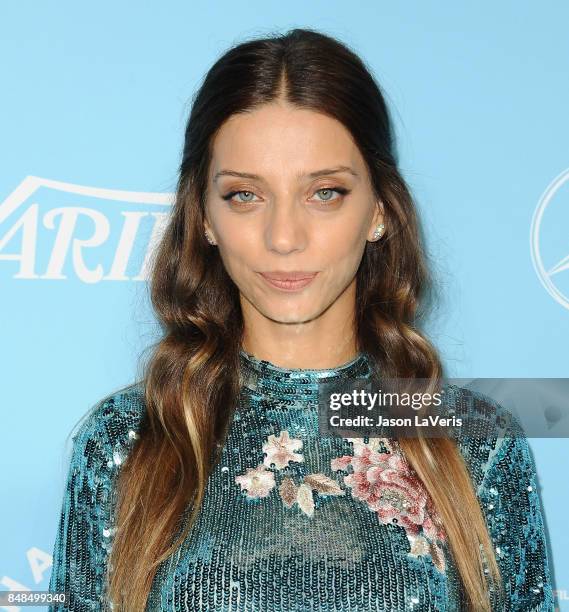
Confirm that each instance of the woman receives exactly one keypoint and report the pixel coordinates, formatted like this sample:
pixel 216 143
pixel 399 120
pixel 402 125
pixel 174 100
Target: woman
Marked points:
pixel 292 258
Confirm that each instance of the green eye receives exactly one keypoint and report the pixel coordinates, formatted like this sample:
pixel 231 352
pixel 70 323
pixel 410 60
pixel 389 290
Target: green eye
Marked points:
pixel 329 190
pixel 231 194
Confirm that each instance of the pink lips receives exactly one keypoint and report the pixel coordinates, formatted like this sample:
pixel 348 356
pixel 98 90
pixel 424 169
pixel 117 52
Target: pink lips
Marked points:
pixel 288 281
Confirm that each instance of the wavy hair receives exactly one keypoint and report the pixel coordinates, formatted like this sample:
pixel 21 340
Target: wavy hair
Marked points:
pixel 191 379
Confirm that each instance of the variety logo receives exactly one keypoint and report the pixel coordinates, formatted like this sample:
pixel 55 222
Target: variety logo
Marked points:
pixel 548 244
pixel 51 230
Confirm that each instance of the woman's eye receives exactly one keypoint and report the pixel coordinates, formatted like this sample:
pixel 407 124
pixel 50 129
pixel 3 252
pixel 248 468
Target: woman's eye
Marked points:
pixel 327 193
pixel 245 200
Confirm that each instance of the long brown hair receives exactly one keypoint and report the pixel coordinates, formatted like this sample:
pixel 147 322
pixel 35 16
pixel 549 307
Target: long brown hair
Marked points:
pixel 191 379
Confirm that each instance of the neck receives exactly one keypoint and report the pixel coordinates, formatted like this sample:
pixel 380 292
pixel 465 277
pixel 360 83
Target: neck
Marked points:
pixel 304 357
pixel 310 335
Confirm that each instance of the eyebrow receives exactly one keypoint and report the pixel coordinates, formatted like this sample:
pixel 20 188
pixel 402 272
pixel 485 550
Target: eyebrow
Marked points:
pixel 316 174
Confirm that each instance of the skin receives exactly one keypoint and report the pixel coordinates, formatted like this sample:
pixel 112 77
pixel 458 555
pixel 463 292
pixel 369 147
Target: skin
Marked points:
pixel 286 220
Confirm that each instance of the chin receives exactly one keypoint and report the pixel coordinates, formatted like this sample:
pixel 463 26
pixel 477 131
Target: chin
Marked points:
pixel 291 314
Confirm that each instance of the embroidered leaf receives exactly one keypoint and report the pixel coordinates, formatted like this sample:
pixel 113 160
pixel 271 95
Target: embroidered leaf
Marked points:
pixel 438 557
pixel 305 499
pixel 323 484
pixel 288 492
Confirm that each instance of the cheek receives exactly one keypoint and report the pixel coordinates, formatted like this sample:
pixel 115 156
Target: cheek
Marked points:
pixel 342 250
pixel 340 269
pixel 240 242
pixel 239 258
pixel 343 235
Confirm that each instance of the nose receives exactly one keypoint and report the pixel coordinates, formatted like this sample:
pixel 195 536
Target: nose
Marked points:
pixel 286 230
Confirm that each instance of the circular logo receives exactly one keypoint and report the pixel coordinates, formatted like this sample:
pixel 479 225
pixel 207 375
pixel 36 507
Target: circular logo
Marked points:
pixel 547 244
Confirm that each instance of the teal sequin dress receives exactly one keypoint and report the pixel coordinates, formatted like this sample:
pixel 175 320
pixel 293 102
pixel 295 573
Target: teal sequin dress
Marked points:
pixel 293 521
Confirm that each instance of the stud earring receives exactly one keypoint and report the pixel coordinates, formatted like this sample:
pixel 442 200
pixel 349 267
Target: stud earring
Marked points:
pixel 378 231
pixel 207 236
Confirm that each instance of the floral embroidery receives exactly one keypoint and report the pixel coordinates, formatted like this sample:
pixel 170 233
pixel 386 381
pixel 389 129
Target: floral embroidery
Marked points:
pixel 386 483
pixel 302 494
pixel 280 450
pixel 258 482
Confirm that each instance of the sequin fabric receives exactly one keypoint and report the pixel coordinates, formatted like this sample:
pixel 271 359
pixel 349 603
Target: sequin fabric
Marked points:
pixel 293 521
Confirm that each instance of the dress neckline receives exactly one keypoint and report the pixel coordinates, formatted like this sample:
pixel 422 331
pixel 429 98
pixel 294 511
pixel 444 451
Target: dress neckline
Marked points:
pixel 261 375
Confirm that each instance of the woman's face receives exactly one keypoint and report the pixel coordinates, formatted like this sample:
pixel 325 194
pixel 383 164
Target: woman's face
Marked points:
pixel 276 204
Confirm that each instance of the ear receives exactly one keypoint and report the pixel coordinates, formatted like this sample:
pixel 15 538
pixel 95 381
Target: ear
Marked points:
pixel 377 219
pixel 207 227
pixel 208 232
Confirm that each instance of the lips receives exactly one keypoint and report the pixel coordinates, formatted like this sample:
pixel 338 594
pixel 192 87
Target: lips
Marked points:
pixel 288 276
pixel 288 281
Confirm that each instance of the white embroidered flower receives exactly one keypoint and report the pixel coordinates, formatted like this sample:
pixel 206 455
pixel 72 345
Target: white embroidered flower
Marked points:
pixel 257 482
pixel 280 450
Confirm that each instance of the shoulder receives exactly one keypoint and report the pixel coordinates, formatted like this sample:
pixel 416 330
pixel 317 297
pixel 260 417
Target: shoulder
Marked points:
pixel 83 538
pixel 108 428
pixel 500 431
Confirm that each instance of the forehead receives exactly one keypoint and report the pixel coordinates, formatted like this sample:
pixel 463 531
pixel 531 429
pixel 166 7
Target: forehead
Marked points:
pixel 277 138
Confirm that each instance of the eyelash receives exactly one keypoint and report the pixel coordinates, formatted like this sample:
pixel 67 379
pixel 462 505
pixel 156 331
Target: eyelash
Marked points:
pixel 341 190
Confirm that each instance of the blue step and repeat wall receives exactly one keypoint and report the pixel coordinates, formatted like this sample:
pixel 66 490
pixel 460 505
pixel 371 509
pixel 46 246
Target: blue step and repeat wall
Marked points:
pixel 93 107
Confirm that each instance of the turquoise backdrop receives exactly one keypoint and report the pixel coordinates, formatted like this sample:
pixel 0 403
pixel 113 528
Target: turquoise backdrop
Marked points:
pixel 95 98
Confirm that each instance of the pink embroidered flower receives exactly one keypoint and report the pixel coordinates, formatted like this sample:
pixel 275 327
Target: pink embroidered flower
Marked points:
pixel 386 483
pixel 258 482
pixel 280 450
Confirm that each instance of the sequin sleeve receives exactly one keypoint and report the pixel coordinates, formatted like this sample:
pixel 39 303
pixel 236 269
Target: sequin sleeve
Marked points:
pixel 80 550
pixel 509 493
